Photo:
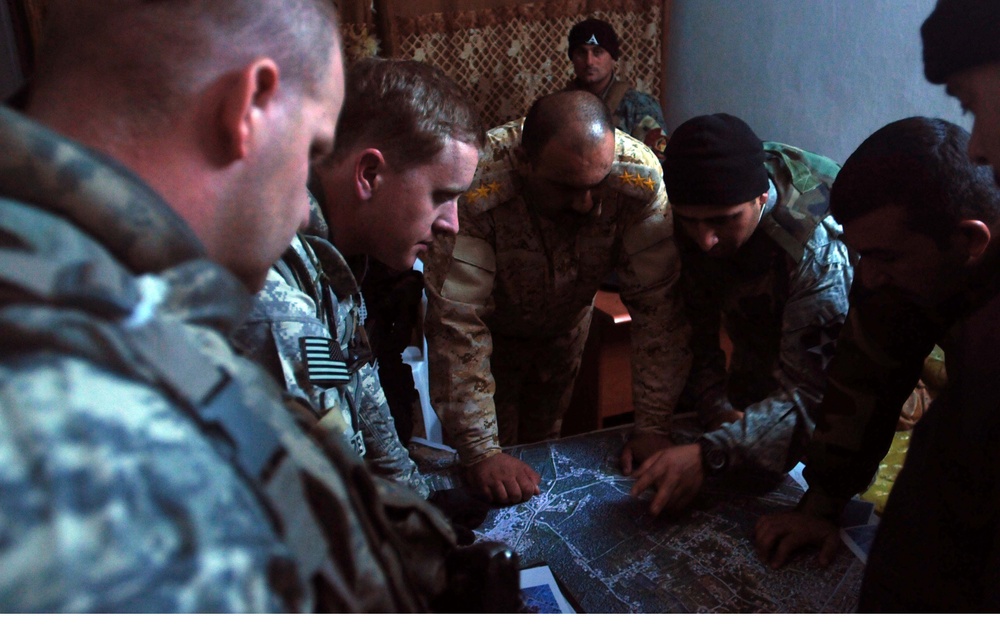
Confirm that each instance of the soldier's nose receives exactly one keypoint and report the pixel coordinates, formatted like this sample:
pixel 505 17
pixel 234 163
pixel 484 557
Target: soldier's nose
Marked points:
pixel 707 239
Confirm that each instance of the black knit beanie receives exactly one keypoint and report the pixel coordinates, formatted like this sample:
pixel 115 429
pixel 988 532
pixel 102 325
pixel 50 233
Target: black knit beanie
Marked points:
pixel 715 160
pixel 960 35
pixel 596 33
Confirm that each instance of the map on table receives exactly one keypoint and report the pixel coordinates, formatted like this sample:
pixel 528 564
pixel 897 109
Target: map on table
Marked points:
pixel 612 556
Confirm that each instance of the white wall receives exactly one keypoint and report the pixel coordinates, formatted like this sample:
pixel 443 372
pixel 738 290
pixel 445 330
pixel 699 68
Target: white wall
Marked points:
pixel 818 74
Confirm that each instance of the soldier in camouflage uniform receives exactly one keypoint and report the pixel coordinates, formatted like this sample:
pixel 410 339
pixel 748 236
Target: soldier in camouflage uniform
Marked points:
pixel 556 205
pixel 307 326
pixel 922 216
pixel 147 467
pixel 761 256
pixel 594 49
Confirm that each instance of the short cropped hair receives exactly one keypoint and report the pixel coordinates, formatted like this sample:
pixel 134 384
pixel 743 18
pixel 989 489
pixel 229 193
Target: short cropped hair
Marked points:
pixel 550 113
pixel 406 109
pixel 921 164
pixel 162 51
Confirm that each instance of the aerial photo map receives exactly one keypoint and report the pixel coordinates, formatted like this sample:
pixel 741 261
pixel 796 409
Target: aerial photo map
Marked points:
pixel 611 555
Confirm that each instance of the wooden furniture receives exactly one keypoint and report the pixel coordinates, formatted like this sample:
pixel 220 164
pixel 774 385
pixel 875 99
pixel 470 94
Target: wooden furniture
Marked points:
pixel 604 387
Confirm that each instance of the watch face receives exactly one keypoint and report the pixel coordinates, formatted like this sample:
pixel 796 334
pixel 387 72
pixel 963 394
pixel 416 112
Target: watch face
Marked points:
pixel 713 458
pixel 716 459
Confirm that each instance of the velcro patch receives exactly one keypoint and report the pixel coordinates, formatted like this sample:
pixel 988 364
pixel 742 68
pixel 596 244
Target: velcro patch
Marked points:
pixel 323 365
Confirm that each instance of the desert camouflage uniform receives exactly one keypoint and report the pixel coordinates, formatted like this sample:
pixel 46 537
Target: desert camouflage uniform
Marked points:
pixel 143 465
pixel 882 351
pixel 783 299
pixel 310 293
pixel 513 293
pixel 635 113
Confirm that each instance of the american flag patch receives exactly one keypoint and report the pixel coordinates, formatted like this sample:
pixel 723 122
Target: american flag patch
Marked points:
pixel 322 362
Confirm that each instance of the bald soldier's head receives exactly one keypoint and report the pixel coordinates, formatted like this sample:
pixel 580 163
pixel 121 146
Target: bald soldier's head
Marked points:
pixel 216 104
pixel 568 143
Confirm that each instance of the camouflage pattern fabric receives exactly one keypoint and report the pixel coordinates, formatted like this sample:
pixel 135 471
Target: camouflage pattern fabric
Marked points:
pixel 145 466
pixel 783 299
pixel 513 277
pixel 635 113
pixel 313 292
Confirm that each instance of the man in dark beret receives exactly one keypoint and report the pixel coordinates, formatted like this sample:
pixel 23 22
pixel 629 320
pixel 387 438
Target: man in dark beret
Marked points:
pixel 761 257
pixel 594 50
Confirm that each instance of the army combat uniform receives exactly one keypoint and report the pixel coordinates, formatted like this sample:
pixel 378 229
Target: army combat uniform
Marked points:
pixel 511 296
pixel 307 329
pixel 145 466
pixel 783 299
pixel 635 113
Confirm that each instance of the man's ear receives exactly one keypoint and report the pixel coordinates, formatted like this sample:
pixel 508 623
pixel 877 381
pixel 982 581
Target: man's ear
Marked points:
pixel 246 100
pixel 975 238
pixel 369 168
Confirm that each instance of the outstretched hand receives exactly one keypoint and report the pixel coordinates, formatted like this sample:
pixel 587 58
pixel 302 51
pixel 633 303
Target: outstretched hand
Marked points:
pixel 778 536
pixel 504 479
pixel 677 474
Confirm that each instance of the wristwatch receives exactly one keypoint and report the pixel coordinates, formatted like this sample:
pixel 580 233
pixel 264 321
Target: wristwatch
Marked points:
pixel 713 457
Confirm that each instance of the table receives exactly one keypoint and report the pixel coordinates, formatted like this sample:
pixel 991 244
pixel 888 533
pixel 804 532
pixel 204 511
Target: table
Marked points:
pixel 612 556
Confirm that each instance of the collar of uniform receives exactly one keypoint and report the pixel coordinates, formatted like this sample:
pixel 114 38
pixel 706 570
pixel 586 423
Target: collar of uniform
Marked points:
pixel 772 200
pixel 95 192
pixel 204 293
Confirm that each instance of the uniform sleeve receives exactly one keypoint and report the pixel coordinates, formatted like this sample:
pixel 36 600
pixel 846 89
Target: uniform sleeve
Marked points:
pixel 281 316
pixel 459 278
pixel 774 432
pixel 112 500
pixel 879 357
pixel 385 456
pixel 660 335
pixel 645 121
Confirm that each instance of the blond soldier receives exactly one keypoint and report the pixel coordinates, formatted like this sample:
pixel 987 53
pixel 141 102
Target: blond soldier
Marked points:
pixel 555 207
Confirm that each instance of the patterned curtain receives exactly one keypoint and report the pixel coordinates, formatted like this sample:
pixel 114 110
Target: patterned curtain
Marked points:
pixel 504 52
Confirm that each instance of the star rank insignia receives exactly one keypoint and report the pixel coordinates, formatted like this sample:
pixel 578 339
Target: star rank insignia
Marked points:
pixel 638 180
pixel 483 191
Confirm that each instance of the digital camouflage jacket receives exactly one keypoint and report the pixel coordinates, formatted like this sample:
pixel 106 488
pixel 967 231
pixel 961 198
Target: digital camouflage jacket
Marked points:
pixel 514 273
pixel 147 467
pixel 782 299
pixel 311 304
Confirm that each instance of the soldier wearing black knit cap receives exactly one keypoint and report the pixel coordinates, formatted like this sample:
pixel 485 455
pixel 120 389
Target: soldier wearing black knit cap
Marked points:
pixel 760 255
pixel 594 49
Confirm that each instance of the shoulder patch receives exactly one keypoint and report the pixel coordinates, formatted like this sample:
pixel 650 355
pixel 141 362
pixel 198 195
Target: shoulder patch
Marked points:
pixel 638 181
pixel 489 190
pixel 628 149
pixel 495 181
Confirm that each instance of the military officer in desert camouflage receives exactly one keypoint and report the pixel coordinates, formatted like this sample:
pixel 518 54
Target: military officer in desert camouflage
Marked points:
pixel 558 202
pixel 761 255
pixel 381 194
